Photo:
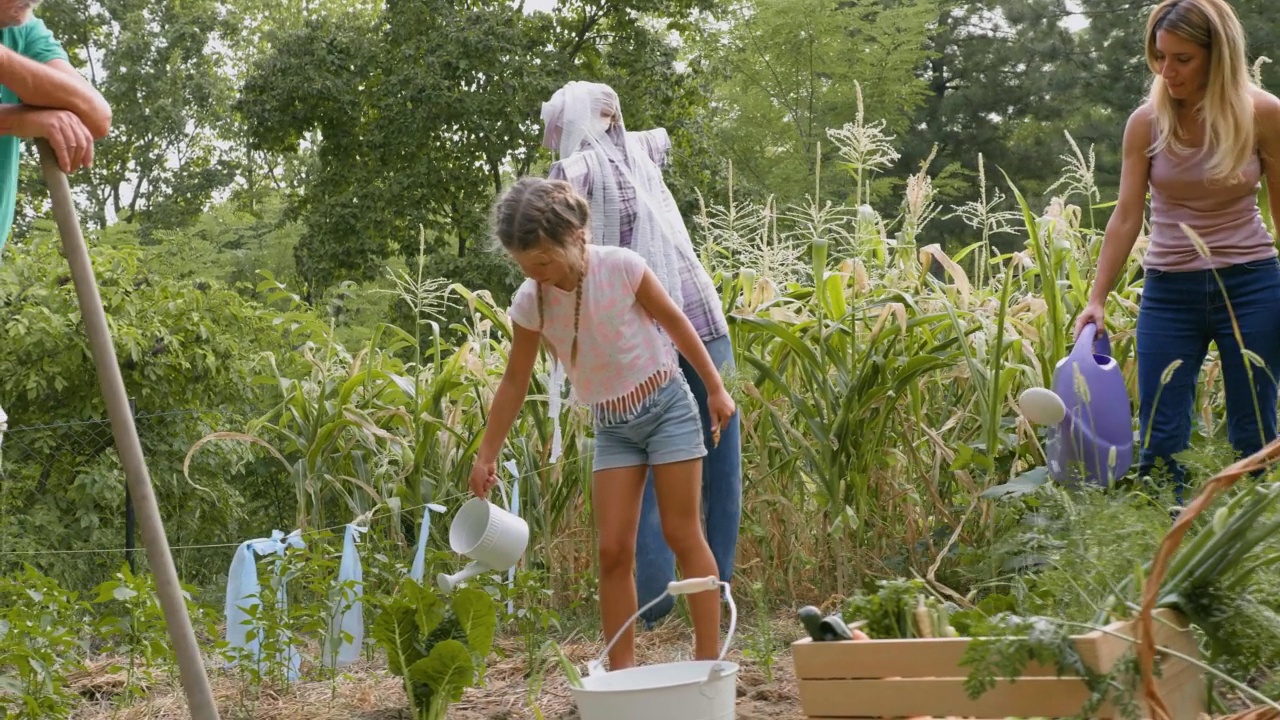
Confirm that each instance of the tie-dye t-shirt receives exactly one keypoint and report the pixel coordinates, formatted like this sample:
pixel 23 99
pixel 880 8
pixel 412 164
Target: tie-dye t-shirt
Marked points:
pixel 622 353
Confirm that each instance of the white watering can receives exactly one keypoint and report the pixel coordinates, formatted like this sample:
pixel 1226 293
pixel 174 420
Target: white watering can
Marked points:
pixel 493 538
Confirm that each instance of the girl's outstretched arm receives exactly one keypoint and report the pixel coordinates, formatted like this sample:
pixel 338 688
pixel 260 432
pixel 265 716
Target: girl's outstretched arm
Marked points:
pixel 655 300
pixel 506 406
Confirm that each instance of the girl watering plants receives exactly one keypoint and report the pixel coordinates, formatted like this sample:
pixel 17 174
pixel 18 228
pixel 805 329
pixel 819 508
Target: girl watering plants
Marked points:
pixel 618 171
pixel 602 312
pixel 1201 142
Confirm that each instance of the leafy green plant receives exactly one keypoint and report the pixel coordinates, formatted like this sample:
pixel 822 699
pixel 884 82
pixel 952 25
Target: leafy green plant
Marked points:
pixel 901 608
pixel 275 624
pixel 40 642
pixel 1006 643
pixel 530 611
pixel 834 380
pixel 762 643
pixel 438 649
pixel 138 631
pixel 1210 577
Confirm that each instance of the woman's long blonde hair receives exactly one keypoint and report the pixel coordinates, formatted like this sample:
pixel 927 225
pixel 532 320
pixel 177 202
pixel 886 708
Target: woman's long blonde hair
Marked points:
pixel 1227 108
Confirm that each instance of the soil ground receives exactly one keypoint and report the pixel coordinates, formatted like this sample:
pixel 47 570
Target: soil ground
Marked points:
pixel 368 692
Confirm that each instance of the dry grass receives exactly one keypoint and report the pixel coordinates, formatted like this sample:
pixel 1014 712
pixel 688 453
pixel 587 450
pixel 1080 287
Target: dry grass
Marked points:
pixel 367 692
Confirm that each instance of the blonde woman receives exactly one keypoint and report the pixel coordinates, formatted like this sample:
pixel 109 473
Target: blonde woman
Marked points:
pixel 1201 142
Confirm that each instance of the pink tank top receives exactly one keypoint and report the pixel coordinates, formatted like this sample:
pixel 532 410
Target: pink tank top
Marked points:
pixel 1224 214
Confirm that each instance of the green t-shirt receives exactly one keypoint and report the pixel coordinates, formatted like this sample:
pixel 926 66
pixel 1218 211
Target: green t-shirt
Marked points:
pixel 31 39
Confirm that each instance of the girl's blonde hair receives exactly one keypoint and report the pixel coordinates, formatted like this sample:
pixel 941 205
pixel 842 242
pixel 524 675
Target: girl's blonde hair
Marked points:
pixel 536 211
pixel 1227 108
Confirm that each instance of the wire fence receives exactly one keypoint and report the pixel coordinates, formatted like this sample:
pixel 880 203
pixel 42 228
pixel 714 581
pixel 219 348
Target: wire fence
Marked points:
pixel 65 507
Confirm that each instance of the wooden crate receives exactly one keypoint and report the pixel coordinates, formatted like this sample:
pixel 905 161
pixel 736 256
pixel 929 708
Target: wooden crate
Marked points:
pixel 924 677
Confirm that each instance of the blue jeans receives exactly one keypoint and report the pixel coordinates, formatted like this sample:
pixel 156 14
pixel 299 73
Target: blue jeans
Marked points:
pixel 721 499
pixel 1180 313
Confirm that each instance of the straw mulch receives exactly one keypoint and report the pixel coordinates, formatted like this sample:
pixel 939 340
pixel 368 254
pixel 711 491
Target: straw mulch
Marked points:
pixel 367 692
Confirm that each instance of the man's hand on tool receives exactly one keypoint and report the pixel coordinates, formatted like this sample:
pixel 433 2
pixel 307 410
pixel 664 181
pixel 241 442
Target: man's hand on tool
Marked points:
pixel 70 139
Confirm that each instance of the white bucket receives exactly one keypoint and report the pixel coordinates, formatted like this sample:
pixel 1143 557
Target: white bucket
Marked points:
pixel 493 538
pixel 691 690
pixel 695 690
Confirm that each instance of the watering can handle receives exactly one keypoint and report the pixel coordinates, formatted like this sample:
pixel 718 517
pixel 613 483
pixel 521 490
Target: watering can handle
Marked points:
pixel 682 587
pixel 1102 344
pixel 1090 340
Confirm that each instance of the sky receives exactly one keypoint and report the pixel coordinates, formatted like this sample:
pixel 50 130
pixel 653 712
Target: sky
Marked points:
pixel 534 5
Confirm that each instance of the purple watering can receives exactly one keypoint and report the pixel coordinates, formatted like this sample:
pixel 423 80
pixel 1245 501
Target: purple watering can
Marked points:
pixel 1094 441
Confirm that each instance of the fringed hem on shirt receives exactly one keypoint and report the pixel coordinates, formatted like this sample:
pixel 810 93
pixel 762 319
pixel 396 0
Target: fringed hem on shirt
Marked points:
pixel 626 406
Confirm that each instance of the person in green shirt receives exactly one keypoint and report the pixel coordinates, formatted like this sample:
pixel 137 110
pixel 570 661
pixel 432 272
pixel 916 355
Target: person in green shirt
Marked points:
pixel 41 96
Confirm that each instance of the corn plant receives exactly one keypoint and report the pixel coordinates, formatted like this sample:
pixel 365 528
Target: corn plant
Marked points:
pixel 845 388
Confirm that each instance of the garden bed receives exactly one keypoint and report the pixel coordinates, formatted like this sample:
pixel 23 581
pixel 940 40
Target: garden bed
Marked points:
pixel 925 677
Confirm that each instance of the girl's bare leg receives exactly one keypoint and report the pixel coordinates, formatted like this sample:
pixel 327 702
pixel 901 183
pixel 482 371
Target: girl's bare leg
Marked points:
pixel 678 487
pixel 616 494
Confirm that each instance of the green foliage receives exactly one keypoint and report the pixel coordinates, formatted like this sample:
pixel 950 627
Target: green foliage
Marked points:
pixel 787 71
pixel 439 650
pixel 180 343
pixel 1065 552
pixel 232 245
pixel 533 611
pixel 1005 644
pixel 188 353
pixel 159 67
pixel 129 622
pixel 41 640
pixel 140 625
pixel 1242 633
pixel 836 369
pixel 890 611
pixel 395 164
pixel 1019 641
pixel 422 122
pixel 491 270
pixel 327 444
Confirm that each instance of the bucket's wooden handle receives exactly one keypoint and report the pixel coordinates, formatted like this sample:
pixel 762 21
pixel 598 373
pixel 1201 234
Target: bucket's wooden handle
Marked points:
pixel 1151 588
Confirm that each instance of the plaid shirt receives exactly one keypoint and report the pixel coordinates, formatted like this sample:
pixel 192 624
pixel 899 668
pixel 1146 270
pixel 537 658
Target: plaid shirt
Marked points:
pixel 701 302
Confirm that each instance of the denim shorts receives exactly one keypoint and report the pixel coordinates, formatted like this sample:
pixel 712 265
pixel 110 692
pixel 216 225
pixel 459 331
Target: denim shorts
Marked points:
pixel 666 428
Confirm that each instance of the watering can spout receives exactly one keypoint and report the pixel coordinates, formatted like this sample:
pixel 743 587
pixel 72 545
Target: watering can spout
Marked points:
pixel 447 583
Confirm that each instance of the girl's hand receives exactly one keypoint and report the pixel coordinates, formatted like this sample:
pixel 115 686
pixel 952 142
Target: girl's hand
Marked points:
pixel 1092 313
pixel 484 475
pixel 721 407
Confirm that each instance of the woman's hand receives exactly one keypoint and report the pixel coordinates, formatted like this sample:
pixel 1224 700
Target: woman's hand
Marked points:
pixel 484 475
pixel 1092 313
pixel 721 407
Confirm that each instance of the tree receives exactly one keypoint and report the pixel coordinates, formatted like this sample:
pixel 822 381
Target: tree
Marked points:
pixel 422 116
pixel 188 350
pixel 161 65
pixel 1003 81
pixel 789 69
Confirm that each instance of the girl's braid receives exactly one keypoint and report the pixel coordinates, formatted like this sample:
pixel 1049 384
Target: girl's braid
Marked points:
pixel 577 310
pixel 542 312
